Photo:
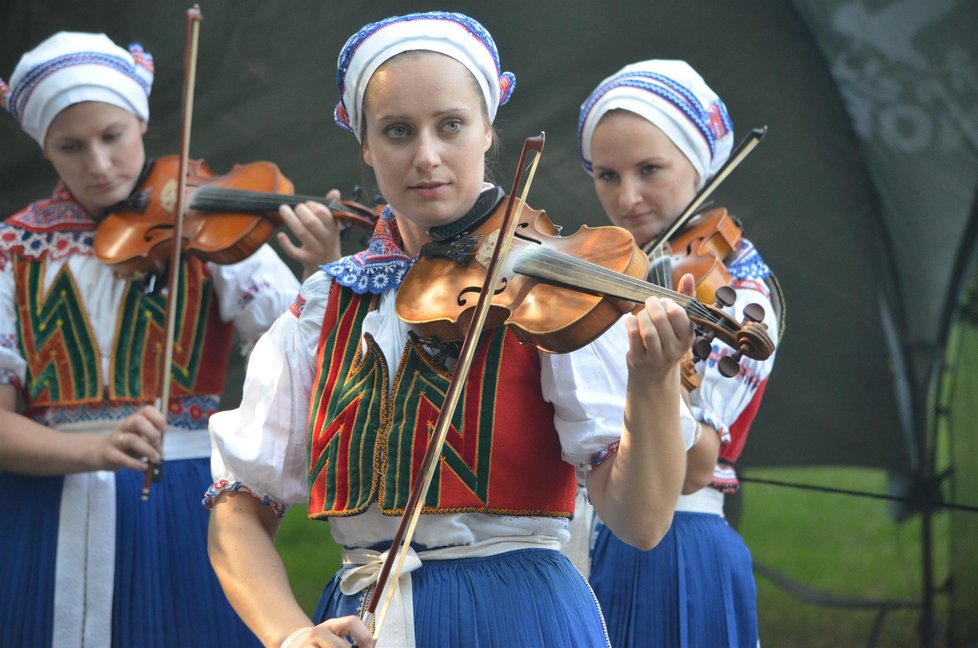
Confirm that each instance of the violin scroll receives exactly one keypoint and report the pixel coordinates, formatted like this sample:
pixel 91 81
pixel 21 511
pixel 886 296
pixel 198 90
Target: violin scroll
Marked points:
pixel 749 339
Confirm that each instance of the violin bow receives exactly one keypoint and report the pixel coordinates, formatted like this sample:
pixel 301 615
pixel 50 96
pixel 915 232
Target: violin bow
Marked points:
pixel 750 141
pixel 155 470
pixel 412 511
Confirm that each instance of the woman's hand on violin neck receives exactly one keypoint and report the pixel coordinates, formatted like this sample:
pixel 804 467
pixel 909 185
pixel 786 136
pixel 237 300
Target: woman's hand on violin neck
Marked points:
pixel 659 335
pixel 317 231
pixel 136 438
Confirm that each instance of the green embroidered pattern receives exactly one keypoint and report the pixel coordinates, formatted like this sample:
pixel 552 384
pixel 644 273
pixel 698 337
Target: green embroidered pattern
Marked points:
pixel 342 432
pixel 55 337
pixel 141 331
pixel 420 391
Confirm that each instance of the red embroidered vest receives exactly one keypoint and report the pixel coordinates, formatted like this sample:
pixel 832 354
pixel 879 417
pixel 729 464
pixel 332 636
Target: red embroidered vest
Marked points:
pixel 63 359
pixel 502 454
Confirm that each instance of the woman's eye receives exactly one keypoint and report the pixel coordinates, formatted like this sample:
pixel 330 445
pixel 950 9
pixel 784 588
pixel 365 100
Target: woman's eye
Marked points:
pixel 453 125
pixel 396 131
pixel 649 169
pixel 607 176
pixel 112 137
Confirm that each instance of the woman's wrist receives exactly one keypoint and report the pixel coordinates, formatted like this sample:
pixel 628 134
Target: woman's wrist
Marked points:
pixel 298 632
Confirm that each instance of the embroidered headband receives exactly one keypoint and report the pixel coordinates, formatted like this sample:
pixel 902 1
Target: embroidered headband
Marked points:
pixel 453 34
pixel 72 67
pixel 673 97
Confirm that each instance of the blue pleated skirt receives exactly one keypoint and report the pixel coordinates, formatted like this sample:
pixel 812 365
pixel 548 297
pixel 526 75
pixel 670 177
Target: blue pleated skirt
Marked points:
pixel 529 597
pixel 165 591
pixel 694 590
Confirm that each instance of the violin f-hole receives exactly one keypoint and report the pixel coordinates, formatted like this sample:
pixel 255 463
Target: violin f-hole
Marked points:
pixel 500 288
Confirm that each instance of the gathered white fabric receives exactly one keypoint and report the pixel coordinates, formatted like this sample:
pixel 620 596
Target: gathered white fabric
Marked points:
pixel 673 97
pixel 453 35
pixel 72 67
pixel 578 548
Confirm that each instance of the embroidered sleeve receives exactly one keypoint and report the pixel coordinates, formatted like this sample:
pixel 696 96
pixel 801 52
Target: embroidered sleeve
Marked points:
pixel 719 401
pixel 260 447
pixel 254 292
pixel 223 486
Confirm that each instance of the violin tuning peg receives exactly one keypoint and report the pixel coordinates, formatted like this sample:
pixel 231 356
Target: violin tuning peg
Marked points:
pixel 725 296
pixel 753 313
pixel 729 366
pixel 701 348
pixel 357 193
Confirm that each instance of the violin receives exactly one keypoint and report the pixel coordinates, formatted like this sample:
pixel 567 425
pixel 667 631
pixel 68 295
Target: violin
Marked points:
pixel 557 292
pixel 698 242
pixel 226 218
pixel 700 249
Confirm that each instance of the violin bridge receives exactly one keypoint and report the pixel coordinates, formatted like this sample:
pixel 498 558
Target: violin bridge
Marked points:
pixel 483 255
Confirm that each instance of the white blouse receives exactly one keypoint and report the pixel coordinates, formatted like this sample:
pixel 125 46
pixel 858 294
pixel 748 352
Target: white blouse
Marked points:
pixel 262 444
pixel 720 400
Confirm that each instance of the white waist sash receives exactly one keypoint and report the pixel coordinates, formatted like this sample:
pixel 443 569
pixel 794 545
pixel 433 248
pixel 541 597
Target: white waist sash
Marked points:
pixel 178 443
pixel 705 500
pixel 85 561
pixel 398 625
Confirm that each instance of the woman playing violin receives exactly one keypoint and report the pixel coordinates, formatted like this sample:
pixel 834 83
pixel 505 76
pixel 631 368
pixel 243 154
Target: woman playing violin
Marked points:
pixel 87 562
pixel 340 396
pixel 651 135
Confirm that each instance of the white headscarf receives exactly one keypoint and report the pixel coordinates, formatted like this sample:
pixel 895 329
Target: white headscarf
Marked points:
pixel 673 97
pixel 453 34
pixel 72 67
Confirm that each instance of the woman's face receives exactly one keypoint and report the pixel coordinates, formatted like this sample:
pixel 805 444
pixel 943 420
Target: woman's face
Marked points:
pixel 425 135
pixel 97 149
pixel 642 179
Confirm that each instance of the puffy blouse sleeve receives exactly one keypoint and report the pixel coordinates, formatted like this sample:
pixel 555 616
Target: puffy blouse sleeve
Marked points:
pixel 254 292
pixel 587 389
pixel 260 446
pixel 718 401
pixel 13 367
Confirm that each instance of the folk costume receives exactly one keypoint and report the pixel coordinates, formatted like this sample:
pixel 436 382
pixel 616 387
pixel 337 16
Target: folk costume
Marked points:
pixel 340 398
pixel 87 562
pixel 696 588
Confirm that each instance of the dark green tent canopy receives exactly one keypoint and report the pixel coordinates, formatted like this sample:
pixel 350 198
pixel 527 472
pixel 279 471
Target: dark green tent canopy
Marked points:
pixel 861 206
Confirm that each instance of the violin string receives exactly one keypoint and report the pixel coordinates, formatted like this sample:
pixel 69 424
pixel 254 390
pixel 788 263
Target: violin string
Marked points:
pixel 575 271
pixel 229 199
pixel 661 267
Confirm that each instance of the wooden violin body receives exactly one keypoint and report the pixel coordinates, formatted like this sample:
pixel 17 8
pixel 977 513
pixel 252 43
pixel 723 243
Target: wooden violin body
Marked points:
pixel 556 292
pixel 701 248
pixel 227 217
pixel 439 291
